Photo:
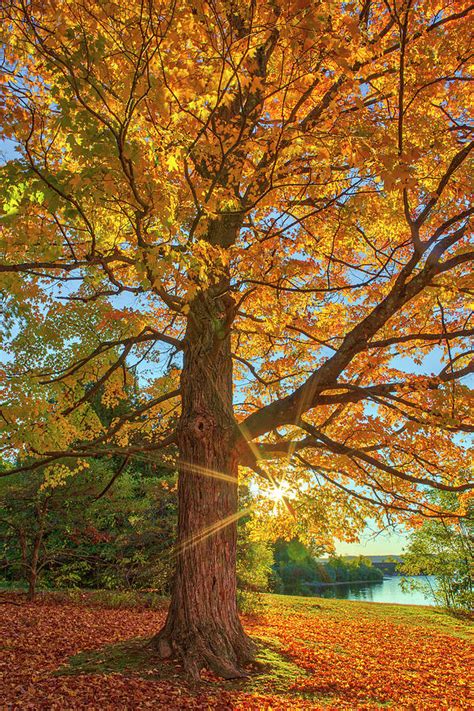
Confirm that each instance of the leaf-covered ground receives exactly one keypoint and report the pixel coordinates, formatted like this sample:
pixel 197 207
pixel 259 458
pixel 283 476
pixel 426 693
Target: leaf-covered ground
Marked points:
pixel 316 654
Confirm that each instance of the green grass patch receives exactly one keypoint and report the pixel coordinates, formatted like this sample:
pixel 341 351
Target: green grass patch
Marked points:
pixel 275 672
pixel 122 657
pixel 272 672
pixel 412 615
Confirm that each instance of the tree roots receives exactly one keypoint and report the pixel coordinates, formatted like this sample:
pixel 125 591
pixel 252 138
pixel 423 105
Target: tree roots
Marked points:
pixel 221 651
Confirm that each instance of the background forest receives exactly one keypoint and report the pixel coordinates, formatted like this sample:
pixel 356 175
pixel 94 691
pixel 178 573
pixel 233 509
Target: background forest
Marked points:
pixel 86 532
pixel 112 527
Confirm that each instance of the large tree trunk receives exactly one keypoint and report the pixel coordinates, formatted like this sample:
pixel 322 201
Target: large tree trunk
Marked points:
pixel 203 626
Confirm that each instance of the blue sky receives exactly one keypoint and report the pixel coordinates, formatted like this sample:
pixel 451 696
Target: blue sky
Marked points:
pixel 375 543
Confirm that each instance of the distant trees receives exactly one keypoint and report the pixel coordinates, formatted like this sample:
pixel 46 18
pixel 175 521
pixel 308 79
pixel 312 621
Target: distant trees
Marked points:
pixel 349 571
pixel 297 570
pixel 445 551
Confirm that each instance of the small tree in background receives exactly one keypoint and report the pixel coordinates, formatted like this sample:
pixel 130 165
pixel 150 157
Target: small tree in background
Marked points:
pixel 37 520
pixel 58 533
pixel 445 551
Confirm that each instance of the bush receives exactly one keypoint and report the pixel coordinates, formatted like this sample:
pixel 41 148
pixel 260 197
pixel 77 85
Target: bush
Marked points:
pixel 254 566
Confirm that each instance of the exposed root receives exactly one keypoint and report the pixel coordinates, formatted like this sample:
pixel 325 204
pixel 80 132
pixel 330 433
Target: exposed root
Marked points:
pixel 224 653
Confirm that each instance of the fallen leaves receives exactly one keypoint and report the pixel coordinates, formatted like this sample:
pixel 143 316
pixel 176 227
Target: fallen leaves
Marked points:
pixel 348 658
pixel 353 661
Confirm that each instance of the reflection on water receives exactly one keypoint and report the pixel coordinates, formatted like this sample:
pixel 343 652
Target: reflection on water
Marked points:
pixel 387 590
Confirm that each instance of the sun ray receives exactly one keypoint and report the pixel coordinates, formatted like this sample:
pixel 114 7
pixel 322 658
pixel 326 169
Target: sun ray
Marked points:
pixel 210 530
pixel 213 473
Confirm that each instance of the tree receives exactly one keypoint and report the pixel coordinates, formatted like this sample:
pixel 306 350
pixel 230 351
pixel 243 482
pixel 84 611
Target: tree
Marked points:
pixel 37 518
pixel 269 200
pixel 443 550
pixel 69 530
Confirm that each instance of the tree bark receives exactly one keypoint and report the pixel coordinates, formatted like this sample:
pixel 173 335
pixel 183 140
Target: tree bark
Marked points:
pixel 23 547
pixel 203 627
pixel 33 567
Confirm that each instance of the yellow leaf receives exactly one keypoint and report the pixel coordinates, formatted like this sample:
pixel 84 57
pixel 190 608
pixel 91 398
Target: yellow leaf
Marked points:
pixel 172 162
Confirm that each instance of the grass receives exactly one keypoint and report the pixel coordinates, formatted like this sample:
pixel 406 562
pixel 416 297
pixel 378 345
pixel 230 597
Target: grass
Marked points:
pixel 414 615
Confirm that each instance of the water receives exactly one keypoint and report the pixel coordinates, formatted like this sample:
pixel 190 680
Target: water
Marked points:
pixel 387 590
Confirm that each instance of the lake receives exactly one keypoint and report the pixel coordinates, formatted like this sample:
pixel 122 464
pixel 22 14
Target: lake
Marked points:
pixel 387 590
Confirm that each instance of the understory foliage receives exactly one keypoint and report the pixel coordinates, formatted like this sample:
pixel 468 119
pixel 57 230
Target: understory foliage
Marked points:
pixel 444 551
pixel 69 534
pixel 125 539
pixel 59 535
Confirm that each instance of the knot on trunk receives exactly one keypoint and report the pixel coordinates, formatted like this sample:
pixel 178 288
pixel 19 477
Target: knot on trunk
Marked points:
pixel 201 426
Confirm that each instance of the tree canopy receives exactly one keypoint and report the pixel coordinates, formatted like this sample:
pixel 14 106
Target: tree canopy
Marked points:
pixel 330 141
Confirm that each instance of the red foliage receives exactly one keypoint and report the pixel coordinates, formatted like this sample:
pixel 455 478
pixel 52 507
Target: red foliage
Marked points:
pixel 346 663
pixel 362 663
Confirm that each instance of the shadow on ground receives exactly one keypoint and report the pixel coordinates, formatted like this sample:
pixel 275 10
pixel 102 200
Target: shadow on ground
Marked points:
pixel 272 672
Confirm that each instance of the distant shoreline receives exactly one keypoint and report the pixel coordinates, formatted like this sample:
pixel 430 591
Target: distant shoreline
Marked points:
pixel 349 582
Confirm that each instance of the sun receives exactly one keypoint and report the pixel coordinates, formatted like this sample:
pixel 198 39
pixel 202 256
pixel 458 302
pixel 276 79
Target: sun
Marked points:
pixel 278 491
